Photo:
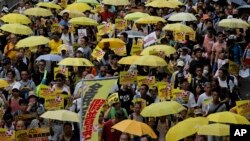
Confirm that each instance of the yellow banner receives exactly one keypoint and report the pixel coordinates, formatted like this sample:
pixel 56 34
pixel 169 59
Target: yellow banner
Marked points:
pixel 136 47
pixel 62 70
pixel 164 93
pixel 120 24
pixel 54 102
pixel 105 28
pixel 127 77
pixel 39 134
pixel 113 98
pixel 22 135
pixel 233 68
pixel 96 96
pixel 243 108
pixel 149 80
pixel 180 36
pixel 6 135
pixel 121 51
pixel 98 53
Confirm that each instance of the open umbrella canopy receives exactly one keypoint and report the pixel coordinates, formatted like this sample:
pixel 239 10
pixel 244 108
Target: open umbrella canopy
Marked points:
pixel 3 83
pixel 135 16
pixel 215 129
pixel 37 11
pixel 134 127
pixel 116 2
pixel 129 60
pixel 162 4
pixel 72 14
pixel 162 109
pixel 49 57
pixel 75 62
pixel 49 5
pixel 228 117
pixel 81 7
pixel 93 2
pixel 62 115
pixel 133 34
pixel 83 21
pixel 177 2
pixel 185 128
pixel 233 23
pixel 178 27
pixel 167 50
pixel 150 60
pixel 16 18
pixel 32 41
pixel 112 42
pixel 182 16
pixel 17 29
pixel 150 20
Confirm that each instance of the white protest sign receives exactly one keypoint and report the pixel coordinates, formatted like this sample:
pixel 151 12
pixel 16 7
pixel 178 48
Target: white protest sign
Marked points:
pixel 81 33
pixel 149 39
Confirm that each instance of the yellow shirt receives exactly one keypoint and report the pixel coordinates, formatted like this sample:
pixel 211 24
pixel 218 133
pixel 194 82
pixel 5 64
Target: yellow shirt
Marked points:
pixel 54 46
pixel 9 51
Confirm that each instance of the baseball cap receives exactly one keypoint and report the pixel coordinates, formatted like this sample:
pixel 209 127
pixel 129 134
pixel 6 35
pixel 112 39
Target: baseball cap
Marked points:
pixel 180 63
pixel 80 50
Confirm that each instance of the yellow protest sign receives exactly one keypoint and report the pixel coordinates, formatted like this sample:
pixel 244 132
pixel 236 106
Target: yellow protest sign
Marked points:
pixel 105 28
pixel 149 80
pixel 56 27
pixel 120 24
pixel 127 77
pixel 120 51
pixel 164 92
pixel 180 36
pixel 22 135
pixel 44 91
pixel 62 70
pixel 243 108
pixel 136 47
pixel 38 134
pixel 233 68
pixel 54 102
pixel 176 93
pixel 98 53
pixel 5 135
pixel 26 117
pixel 113 98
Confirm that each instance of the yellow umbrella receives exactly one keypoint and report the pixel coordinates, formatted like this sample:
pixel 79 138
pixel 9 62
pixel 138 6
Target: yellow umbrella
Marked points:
pixel 75 62
pixel 150 60
pixel 72 14
pixel 17 29
pixel 82 7
pixel 185 128
pixel 62 115
pixel 167 50
pixel 134 127
pixel 16 18
pixel 38 12
pixel 94 2
pixel 49 5
pixel 150 20
pixel 135 16
pixel 116 2
pixel 215 129
pixel 3 83
pixel 182 16
pixel 176 2
pixel 233 23
pixel 83 21
pixel 162 109
pixel 113 43
pixel 162 4
pixel 32 41
pixel 129 60
pixel 178 27
pixel 228 117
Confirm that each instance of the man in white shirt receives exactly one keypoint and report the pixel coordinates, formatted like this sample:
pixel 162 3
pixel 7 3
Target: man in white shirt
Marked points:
pixel 205 98
pixel 67 37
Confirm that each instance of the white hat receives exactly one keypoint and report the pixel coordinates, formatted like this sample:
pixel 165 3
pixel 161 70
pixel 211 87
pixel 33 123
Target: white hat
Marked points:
pixel 232 37
pixel 180 63
pixel 17 86
pixel 80 49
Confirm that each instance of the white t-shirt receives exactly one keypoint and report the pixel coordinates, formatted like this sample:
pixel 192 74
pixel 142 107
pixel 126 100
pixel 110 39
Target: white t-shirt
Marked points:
pixel 220 64
pixel 203 100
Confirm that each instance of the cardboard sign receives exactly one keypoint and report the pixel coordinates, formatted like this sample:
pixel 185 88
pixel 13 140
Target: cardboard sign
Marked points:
pixel 243 108
pixel 39 134
pixel 44 91
pixel 105 28
pixel 127 77
pixel 164 91
pixel 6 135
pixel 81 33
pixel 136 47
pixel 148 80
pixel 180 36
pixel 113 98
pixel 150 39
pixel 62 70
pixel 98 53
pixel 120 51
pixel 22 135
pixel 54 102
pixel 56 27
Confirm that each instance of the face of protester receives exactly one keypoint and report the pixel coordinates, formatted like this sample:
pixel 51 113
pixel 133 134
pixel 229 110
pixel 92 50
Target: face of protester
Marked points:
pixel 143 90
pixel 10 76
pixel 221 74
pixel 185 85
pixel 137 108
pixel 15 92
pixel 24 75
pixel 67 130
pixel 199 71
pixel 215 96
pixel 59 82
pixel 20 125
pixel 65 16
pixel 198 54
pixel 220 38
pixel 124 137
pixel 23 107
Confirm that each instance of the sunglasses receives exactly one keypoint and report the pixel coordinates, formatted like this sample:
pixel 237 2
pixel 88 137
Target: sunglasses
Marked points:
pixel 59 80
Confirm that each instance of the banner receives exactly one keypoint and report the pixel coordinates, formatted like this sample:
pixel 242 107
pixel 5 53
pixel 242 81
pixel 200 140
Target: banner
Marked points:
pixel 127 77
pixel 63 70
pixel 180 36
pixel 22 135
pixel 149 80
pixel 39 134
pixel 243 108
pixel 121 51
pixel 54 102
pixel 98 53
pixel 120 24
pixel 6 135
pixel 150 39
pixel 95 97
pixel 26 117
pixel 233 68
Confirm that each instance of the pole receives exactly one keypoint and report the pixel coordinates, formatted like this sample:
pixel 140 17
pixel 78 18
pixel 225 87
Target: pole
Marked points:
pixel 81 116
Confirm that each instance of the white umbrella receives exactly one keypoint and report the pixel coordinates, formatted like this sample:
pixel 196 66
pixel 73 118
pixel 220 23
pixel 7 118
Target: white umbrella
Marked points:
pixel 133 34
pixel 50 57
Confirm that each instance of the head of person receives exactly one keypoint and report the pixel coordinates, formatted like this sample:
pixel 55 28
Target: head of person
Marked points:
pixel 55 37
pixel 65 29
pixel 106 8
pixel 208 88
pixel 223 73
pixel 220 37
pixel 103 71
pixel 216 95
pixel 114 59
pixel 16 89
pixel 117 105
pixel 144 89
pixel 84 40
pixel 7 64
pixel 23 105
pixel 67 129
pixel 154 92
pixel 180 65
pixel 42 65
pixel 65 16
pixel 125 137
pixel 20 125
pixel 124 36
pixel 184 84
pixel 32 97
pixel 24 75
pixel 145 138
pixel 119 116
pixel 137 107
pixel 8 119
pixel 11 75
pixel 60 79
pixel 151 122
pixel 184 51
pixel 198 53
pixel 199 71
